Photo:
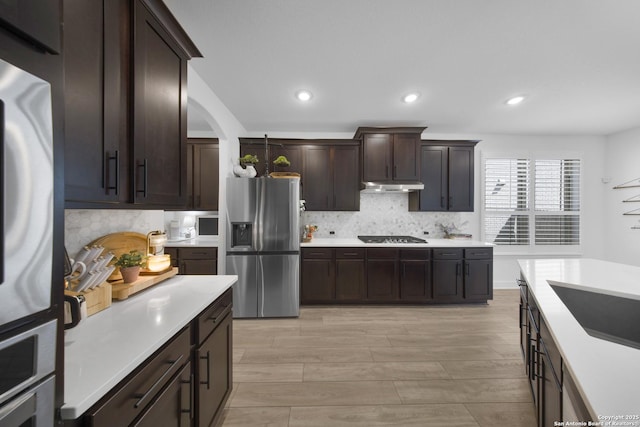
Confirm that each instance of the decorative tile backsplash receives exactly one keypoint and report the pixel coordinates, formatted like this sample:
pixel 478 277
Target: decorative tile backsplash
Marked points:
pixel 385 214
pixel 82 226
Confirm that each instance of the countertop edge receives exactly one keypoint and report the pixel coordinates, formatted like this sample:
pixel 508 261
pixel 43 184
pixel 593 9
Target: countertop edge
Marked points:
pixel 187 297
pixel 356 243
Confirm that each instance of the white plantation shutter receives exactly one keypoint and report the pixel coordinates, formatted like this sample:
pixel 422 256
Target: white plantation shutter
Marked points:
pixel 557 194
pixel 506 193
pixel 532 202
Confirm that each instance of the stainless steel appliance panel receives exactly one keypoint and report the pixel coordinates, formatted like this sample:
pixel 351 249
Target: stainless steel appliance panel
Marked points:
pixel 245 291
pixel 34 407
pixel 278 214
pixel 26 142
pixel 278 290
pixel 241 206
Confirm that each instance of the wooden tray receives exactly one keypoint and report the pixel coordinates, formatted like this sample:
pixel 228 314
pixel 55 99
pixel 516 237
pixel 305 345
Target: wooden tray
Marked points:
pixel 121 243
pixel 121 291
pixel 284 175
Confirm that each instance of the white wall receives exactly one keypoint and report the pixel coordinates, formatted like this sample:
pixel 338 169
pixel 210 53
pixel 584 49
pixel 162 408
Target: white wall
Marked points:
pixel 622 244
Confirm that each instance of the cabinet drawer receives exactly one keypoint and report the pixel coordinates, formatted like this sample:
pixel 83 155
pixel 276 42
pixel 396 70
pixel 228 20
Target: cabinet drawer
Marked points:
pixel 353 253
pixel 213 315
pixel 382 253
pixel 453 253
pixel 478 253
pixel 197 253
pixel 318 253
pixel 421 254
pixel 138 391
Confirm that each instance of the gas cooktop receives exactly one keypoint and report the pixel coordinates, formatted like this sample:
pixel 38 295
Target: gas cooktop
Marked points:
pixel 391 239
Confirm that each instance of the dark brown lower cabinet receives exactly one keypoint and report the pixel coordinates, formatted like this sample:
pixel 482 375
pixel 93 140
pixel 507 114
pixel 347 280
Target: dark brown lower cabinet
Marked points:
pixel 549 393
pixel 195 261
pixel 396 275
pixel 174 406
pixel 350 274
pixel 214 373
pixel 382 274
pixel 415 275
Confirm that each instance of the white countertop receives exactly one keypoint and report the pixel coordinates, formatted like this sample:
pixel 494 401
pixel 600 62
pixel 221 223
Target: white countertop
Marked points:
pixel 194 242
pixel 607 374
pixel 431 243
pixel 104 348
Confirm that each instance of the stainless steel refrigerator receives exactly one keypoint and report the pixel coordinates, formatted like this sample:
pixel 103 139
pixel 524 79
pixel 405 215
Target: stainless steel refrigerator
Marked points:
pixel 263 246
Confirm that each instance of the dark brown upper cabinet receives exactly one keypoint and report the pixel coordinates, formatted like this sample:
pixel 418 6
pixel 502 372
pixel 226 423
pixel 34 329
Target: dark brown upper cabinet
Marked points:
pixel 125 106
pixel 37 22
pixel 329 169
pixel 203 179
pixel 390 154
pixel 447 172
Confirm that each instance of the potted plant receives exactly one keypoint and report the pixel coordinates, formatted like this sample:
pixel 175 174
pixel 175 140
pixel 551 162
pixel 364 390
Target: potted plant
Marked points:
pixel 129 264
pixel 282 162
pixel 248 161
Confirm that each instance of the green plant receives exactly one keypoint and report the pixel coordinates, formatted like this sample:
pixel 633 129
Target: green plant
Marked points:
pixel 248 159
pixel 132 258
pixel 282 161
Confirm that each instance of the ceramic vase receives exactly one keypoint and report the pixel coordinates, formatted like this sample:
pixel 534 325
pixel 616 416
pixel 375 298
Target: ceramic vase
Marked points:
pixel 251 171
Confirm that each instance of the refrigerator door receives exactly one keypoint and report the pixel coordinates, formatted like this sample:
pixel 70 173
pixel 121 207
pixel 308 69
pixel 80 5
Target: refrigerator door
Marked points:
pixel 242 212
pixel 278 215
pixel 278 285
pixel 245 291
pixel 26 196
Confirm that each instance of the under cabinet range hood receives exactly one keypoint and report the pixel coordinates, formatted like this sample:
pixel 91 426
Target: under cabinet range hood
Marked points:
pixel 391 186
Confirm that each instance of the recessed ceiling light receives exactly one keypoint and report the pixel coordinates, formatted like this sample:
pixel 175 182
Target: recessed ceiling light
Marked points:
pixel 411 97
pixel 515 100
pixel 303 95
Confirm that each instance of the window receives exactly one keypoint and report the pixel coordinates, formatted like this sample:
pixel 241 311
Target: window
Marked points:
pixel 532 202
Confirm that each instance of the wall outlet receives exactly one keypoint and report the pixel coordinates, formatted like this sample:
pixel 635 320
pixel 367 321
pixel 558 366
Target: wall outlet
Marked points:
pixel 332 233
pixel 426 233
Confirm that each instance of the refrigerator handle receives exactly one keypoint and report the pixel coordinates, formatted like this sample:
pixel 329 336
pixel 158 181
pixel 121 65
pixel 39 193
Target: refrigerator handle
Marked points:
pixel 3 192
pixel 260 287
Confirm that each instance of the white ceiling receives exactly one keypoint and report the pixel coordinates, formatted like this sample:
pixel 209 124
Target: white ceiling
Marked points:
pixel 577 60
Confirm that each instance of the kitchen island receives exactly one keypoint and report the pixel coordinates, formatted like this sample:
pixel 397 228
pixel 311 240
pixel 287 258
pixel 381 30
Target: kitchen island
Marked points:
pixel 349 271
pixel 110 348
pixel 605 374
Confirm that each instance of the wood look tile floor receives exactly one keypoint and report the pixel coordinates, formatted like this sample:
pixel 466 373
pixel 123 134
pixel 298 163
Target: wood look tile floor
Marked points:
pixel 454 365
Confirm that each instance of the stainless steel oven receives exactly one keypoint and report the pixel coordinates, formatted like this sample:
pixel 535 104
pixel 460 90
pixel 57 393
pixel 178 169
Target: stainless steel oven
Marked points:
pixel 27 385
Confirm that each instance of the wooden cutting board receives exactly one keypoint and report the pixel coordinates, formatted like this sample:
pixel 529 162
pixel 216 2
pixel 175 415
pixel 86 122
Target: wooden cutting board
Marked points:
pixel 121 243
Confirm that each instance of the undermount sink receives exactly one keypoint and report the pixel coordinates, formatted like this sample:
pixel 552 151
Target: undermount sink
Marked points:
pixel 608 317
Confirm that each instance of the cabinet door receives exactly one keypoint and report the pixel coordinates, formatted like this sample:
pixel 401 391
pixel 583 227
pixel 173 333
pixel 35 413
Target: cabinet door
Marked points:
pixel 378 152
pixel 159 114
pixel 214 373
pixel 550 398
pixel 36 21
pixel 460 179
pixel 346 178
pixel 447 280
pixel 478 277
pixel 258 151
pixel 174 406
pixel 382 274
pixel 350 279
pixel 95 102
pixel 317 181
pixel 434 161
pixel 292 152
pixel 198 266
pixel 205 176
pixel 318 281
pixel 405 157
pixel 415 280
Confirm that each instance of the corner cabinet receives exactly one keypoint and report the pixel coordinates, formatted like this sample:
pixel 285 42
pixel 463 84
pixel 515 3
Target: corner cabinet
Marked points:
pixel 125 65
pixel 447 172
